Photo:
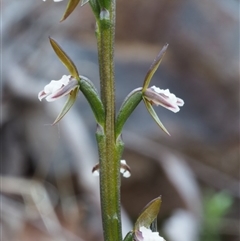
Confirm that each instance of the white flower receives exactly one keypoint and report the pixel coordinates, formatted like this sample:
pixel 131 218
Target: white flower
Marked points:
pixel 58 88
pixel 124 169
pixel 146 234
pixel 164 98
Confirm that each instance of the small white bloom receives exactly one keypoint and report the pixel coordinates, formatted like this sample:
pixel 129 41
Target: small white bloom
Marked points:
pixel 146 234
pixel 58 88
pixel 164 98
pixel 124 169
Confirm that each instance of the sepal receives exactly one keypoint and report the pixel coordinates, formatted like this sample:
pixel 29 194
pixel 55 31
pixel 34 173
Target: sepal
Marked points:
pixel 154 67
pixel 72 4
pixel 69 103
pixel 149 214
pixel 64 59
pixel 154 115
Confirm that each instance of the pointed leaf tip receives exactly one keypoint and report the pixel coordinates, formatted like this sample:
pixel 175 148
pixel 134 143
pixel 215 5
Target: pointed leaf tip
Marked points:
pixel 64 58
pixel 154 116
pixel 72 4
pixel 69 103
pixel 154 66
pixel 149 214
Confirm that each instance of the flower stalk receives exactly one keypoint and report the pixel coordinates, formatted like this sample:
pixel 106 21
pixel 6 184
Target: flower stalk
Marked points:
pixel 109 126
pixel 109 156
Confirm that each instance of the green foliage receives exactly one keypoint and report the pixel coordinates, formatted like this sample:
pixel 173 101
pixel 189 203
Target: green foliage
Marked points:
pixel 215 207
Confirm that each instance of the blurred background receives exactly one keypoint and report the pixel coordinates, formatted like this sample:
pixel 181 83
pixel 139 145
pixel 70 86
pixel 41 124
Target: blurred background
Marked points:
pixel 47 189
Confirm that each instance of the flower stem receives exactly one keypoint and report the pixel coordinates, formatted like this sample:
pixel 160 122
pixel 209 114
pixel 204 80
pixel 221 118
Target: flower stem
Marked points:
pixel 108 152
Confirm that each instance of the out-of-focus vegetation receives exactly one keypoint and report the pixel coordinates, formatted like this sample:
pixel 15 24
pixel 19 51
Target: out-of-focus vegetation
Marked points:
pixel 49 192
pixel 215 206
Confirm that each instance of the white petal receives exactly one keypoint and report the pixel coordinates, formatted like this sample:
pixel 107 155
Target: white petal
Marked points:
pixel 95 173
pixel 148 235
pixel 125 169
pixel 164 98
pixel 58 88
pixel 65 90
pixel 53 86
pixel 42 95
pixel 123 162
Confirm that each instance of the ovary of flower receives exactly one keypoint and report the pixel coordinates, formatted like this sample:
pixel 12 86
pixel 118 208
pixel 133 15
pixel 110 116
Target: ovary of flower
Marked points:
pixel 58 88
pixel 146 234
pixel 164 98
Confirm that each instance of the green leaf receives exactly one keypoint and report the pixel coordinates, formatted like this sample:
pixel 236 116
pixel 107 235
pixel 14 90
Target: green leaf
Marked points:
pixel 154 67
pixel 129 236
pixel 149 214
pixel 72 4
pixel 91 94
pixel 64 59
pixel 154 115
pixel 69 103
pixel 128 106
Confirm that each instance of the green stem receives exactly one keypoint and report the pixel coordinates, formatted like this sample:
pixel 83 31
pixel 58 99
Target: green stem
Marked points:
pixel 108 152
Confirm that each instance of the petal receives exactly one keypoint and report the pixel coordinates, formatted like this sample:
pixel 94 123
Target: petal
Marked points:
pixel 180 102
pixel 65 79
pixel 53 86
pixel 125 169
pixel 65 90
pixel 42 95
pixel 95 170
pixel 164 98
pixel 148 235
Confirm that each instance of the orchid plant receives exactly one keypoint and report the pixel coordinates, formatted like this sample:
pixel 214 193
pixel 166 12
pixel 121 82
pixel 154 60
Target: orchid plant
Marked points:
pixel 110 125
